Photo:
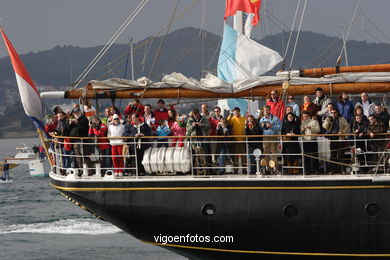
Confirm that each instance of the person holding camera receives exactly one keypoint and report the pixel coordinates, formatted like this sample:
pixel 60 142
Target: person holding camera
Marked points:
pixel 270 125
pixel 252 127
pixel 337 125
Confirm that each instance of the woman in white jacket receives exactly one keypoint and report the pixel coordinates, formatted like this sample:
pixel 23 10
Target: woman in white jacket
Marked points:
pixel 116 129
pixel 310 146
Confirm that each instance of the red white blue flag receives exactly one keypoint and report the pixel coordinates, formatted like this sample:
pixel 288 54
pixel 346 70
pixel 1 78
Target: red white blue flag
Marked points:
pixel 29 94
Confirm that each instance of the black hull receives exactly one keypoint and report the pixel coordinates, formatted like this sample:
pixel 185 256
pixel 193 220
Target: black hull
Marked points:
pixel 269 219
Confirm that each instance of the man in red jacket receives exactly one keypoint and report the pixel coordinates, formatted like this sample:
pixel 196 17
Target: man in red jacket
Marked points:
pixel 134 107
pixel 98 129
pixel 276 104
pixel 161 113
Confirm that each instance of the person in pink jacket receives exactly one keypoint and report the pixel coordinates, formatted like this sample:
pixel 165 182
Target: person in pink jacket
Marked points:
pixel 178 129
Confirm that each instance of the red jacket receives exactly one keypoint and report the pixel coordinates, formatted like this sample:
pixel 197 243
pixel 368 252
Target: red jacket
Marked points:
pixel 277 108
pixel 131 110
pixel 103 143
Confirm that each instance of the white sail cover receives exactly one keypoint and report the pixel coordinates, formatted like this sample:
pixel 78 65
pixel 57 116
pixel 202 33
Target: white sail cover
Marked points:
pixel 214 84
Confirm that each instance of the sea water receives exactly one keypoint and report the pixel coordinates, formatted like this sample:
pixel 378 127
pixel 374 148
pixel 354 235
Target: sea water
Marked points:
pixel 37 222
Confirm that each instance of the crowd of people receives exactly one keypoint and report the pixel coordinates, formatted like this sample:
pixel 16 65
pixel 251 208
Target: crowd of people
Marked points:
pixel 225 139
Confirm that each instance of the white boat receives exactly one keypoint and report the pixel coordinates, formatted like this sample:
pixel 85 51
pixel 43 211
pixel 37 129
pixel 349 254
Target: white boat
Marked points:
pixel 27 155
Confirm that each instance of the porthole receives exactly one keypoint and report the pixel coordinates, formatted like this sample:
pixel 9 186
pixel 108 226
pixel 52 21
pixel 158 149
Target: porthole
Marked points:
pixel 208 210
pixel 290 211
pixel 372 209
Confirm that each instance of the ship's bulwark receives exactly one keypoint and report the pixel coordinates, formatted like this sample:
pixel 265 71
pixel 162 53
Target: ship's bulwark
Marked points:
pixel 265 219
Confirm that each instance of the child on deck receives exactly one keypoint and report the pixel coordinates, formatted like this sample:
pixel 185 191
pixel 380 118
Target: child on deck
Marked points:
pixel 163 130
pixel 179 129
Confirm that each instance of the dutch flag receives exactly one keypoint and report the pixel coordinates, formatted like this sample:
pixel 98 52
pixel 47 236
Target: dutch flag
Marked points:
pixel 29 94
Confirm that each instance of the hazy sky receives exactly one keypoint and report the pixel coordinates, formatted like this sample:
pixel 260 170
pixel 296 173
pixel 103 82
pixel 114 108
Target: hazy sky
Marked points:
pixel 34 25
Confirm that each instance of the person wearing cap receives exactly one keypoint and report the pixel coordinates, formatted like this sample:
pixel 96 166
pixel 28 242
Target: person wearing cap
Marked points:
pixel 115 130
pixel 276 104
pixel 295 106
pixel 238 128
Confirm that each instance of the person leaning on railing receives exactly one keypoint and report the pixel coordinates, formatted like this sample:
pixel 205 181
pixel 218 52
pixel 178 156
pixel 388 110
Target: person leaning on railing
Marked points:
pixel 270 125
pixel 223 129
pixel 252 127
pixel 116 129
pixel 141 129
pixel 237 121
pixel 63 130
pixel 290 128
pixel 335 124
pixel 79 127
pixel 377 143
pixel 198 125
pixel 359 128
pixel 98 129
pixel 309 127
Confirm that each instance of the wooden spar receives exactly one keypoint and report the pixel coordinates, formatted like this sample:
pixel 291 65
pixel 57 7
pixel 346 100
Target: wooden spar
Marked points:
pixel 336 88
pixel 319 72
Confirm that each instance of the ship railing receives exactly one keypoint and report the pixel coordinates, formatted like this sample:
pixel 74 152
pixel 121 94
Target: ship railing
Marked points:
pixel 219 156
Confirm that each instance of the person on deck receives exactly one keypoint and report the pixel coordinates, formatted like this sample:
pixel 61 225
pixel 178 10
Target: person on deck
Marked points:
pixel 295 106
pixel 270 125
pixel 252 127
pixel 205 110
pixel 382 115
pixel 309 127
pixel 79 127
pixel 336 124
pixel 345 107
pixel 107 116
pixel 292 149
pixel 141 130
pixel 321 100
pixel 162 131
pixel 276 104
pixel 161 113
pixel 149 118
pixel 134 107
pixel 238 128
pixel 98 129
pixel 89 110
pixel 377 144
pixel 309 107
pixel 223 129
pixel 178 129
pixel 366 104
pixel 116 129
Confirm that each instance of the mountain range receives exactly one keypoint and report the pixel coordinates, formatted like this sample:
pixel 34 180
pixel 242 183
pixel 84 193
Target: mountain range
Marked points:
pixel 184 50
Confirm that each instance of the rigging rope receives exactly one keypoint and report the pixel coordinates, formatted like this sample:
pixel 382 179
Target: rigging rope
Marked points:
pixel 292 28
pixel 110 42
pixel 298 33
pixel 163 39
pixel 349 28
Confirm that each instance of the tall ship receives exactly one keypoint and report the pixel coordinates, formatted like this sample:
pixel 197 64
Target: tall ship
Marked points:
pixel 175 192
